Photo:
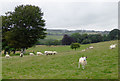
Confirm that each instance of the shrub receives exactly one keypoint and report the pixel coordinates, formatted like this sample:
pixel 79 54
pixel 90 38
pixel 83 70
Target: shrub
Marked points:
pixel 75 45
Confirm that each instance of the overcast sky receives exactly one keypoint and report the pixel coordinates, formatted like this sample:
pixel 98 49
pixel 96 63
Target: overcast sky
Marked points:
pixel 72 14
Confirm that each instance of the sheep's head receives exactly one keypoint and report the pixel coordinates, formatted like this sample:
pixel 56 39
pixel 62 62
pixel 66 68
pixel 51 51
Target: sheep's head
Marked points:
pixel 84 58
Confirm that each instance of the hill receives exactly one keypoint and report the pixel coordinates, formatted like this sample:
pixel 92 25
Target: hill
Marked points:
pixel 59 33
pixel 102 63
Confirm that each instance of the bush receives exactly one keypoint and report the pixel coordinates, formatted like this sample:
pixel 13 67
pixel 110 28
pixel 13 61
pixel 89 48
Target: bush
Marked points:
pixel 86 41
pixel 75 45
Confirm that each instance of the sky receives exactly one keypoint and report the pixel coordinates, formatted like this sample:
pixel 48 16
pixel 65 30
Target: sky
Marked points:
pixel 99 15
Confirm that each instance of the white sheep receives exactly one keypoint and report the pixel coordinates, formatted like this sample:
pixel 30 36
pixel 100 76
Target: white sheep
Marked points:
pixel 83 50
pixel 31 54
pixel 54 52
pixel 113 46
pixel 82 61
pixel 39 53
pixel 21 54
pixel 91 47
pixel 50 52
pixel 7 56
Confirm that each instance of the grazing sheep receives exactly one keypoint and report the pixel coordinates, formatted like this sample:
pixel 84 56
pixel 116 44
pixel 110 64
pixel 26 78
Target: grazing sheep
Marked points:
pixel 21 54
pixel 113 46
pixel 91 47
pixel 39 53
pixel 50 52
pixel 83 50
pixel 31 54
pixel 7 56
pixel 54 52
pixel 82 61
pixel 46 52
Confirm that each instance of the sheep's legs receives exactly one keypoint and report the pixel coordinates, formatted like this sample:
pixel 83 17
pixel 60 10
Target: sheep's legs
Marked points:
pixel 78 65
pixel 83 67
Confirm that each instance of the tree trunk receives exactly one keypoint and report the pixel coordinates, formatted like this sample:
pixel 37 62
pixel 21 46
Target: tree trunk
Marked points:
pixel 14 51
pixel 9 52
pixel 5 52
pixel 24 50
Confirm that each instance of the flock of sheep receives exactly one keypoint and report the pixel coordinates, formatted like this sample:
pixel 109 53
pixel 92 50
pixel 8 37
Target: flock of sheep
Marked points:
pixel 82 60
pixel 38 53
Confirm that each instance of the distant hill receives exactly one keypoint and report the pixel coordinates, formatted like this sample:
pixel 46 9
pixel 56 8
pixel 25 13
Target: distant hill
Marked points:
pixel 60 32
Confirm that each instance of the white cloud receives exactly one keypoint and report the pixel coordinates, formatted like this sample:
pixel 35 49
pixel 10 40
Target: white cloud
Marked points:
pixel 73 14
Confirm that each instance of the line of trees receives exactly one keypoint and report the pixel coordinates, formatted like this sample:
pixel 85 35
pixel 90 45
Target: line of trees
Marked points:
pixel 82 38
pixel 90 38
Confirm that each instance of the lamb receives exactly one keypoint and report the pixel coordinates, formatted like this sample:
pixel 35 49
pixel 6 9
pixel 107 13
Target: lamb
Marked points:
pixel 7 56
pixel 31 54
pixel 39 53
pixel 21 54
pixel 82 61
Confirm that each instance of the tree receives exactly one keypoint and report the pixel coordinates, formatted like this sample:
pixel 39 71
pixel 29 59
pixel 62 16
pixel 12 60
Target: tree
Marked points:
pixel 95 38
pixel 114 34
pixel 50 42
pixel 77 37
pixel 67 40
pixel 75 45
pixel 6 25
pixel 25 25
pixel 57 42
pixel 86 41
pixel 105 37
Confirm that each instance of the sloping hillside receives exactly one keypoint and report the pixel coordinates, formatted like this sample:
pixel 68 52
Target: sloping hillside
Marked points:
pixel 102 63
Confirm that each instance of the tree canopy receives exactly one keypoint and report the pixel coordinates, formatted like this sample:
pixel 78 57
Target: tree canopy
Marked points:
pixel 23 27
pixel 75 45
pixel 114 34
pixel 67 40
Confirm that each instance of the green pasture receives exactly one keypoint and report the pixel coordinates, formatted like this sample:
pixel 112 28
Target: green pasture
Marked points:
pixel 102 63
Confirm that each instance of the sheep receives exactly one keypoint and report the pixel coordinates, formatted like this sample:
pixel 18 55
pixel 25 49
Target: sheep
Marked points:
pixel 113 46
pixel 82 61
pixel 91 47
pixel 31 54
pixel 39 53
pixel 50 52
pixel 83 50
pixel 7 56
pixel 21 54
pixel 46 52
pixel 54 52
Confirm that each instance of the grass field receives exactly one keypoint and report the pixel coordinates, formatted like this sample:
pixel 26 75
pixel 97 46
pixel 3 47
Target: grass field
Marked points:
pixel 57 37
pixel 102 63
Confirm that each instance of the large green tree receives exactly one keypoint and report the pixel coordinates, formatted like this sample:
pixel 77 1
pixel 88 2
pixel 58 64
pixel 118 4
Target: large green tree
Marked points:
pixel 6 26
pixel 114 34
pixel 25 26
pixel 67 40
pixel 75 45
